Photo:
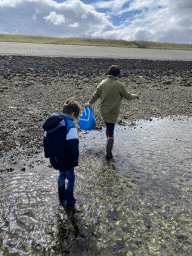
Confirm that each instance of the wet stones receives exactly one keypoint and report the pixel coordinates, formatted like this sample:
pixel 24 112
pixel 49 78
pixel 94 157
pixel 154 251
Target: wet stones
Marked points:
pixel 5 76
pixel 167 82
pixel 54 67
pixel 188 84
pixel 32 88
pixel 86 80
pixel 6 170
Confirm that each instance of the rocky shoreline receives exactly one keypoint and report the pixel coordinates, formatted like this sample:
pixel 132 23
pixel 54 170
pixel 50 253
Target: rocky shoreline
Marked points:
pixel 32 88
pixel 138 203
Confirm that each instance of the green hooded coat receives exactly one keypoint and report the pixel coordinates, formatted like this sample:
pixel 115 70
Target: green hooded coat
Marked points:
pixel 111 92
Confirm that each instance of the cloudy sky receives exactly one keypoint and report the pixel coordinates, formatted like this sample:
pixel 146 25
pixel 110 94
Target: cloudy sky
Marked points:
pixel 151 20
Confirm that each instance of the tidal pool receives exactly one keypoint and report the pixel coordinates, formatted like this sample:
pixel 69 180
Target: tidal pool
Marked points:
pixel 138 203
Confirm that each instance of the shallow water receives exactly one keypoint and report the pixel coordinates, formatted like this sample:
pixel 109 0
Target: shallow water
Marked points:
pixel 138 203
pixel 147 152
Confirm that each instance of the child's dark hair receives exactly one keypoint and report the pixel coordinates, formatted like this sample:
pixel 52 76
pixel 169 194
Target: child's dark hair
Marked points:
pixel 114 70
pixel 71 106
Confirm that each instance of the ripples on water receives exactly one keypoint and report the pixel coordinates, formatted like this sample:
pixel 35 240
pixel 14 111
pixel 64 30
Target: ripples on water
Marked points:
pixel 139 203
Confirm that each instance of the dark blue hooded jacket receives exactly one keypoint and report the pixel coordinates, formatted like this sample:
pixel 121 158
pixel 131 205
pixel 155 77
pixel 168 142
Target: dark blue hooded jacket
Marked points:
pixel 61 143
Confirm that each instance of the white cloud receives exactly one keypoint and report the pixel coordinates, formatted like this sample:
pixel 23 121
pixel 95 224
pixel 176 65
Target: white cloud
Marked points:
pixel 74 25
pixel 161 21
pixel 56 19
pixel 84 16
pixel 10 3
pixel 104 4
pixel 49 18
pixel 140 4
pixel 114 5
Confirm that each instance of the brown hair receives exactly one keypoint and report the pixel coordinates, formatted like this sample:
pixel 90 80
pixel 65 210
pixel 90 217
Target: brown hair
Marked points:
pixel 114 70
pixel 71 106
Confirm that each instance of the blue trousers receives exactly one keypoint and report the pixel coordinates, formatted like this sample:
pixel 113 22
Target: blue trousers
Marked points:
pixel 66 193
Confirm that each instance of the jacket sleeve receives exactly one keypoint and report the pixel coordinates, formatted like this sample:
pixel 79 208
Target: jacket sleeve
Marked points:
pixel 73 146
pixel 126 95
pixel 95 95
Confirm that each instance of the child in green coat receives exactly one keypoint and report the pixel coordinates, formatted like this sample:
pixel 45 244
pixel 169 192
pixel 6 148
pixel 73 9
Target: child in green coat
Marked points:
pixel 111 92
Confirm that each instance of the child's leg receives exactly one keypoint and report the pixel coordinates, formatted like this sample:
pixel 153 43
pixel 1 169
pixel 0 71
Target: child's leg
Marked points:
pixel 70 175
pixel 110 127
pixel 61 185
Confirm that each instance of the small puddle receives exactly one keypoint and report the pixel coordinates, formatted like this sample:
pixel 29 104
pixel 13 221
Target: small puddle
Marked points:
pixel 138 203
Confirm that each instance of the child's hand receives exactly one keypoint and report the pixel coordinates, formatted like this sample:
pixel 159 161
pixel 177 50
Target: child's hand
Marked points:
pixel 87 105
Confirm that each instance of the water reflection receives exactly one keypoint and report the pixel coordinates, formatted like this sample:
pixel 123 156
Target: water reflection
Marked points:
pixel 161 144
pixel 157 151
pixel 138 203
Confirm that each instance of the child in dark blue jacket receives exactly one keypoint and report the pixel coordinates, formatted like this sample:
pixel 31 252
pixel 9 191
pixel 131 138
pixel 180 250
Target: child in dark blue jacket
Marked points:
pixel 61 146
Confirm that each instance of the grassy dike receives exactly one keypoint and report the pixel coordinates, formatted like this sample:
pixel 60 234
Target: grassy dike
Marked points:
pixel 92 42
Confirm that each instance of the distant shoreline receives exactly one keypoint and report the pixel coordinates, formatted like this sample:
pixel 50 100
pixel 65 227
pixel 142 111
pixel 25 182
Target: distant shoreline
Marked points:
pixel 93 42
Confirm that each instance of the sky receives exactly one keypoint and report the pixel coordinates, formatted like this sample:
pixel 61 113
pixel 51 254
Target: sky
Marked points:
pixel 168 21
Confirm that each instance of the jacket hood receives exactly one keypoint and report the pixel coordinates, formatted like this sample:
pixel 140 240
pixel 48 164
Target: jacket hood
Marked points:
pixel 53 122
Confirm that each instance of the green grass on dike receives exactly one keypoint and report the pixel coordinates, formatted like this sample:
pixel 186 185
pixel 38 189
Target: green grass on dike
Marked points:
pixel 92 42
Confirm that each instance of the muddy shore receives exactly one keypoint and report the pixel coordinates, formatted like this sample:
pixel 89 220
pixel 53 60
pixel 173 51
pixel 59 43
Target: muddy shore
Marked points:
pixel 32 88
pixel 146 212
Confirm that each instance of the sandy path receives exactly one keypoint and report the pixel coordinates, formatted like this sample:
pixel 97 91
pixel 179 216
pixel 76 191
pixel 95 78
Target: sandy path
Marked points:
pixel 51 50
